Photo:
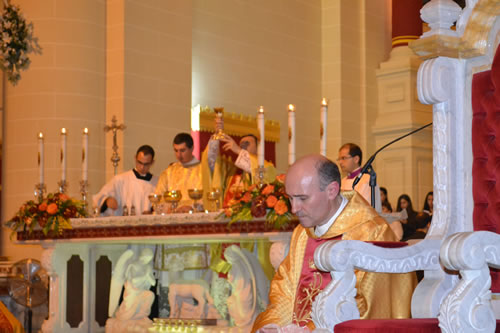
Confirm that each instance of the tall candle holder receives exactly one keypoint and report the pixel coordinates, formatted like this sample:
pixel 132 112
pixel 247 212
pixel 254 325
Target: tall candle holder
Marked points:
pixel 63 186
pixel 40 191
pixel 84 185
pixel 260 174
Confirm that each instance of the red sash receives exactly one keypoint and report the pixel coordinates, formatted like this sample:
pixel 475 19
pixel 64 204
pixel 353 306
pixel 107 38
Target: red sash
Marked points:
pixel 311 283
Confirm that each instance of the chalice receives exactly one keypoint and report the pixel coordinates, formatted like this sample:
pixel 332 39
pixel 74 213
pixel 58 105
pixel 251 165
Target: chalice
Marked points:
pixel 219 133
pixel 173 197
pixel 195 194
pixel 214 196
pixel 155 199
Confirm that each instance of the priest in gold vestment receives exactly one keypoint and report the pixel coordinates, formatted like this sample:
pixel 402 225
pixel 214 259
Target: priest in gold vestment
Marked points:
pixel 182 175
pixel 238 175
pixel 312 184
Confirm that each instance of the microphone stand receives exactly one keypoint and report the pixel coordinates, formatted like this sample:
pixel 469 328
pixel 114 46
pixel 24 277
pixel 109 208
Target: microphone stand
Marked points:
pixel 368 168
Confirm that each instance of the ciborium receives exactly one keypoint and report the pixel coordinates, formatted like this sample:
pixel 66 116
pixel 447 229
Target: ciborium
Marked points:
pixel 173 197
pixel 196 194
pixel 214 196
pixel 155 199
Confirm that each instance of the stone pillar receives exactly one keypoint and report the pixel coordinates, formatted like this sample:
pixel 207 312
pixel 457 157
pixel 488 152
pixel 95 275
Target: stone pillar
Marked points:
pixel 405 167
pixel 64 87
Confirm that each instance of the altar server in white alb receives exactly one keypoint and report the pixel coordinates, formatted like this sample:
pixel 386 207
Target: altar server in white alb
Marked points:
pixel 129 189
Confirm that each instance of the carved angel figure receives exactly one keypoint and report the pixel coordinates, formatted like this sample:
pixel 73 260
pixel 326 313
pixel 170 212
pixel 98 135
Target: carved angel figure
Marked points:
pixel 136 275
pixel 250 287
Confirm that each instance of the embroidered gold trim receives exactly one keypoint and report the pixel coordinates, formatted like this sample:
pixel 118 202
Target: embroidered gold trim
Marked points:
pixel 303 315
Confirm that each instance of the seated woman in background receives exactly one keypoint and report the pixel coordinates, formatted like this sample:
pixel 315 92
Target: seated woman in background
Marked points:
pixel 415 227
pixel 386 206
pixel 429 203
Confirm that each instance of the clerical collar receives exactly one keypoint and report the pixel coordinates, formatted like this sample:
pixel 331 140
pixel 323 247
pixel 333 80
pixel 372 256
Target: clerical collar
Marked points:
pixel 354 173
pixel 320 230
pixel 194 161
pixel 147 177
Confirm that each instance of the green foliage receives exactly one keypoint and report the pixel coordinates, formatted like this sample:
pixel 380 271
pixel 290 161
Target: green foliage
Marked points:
pixel 16 43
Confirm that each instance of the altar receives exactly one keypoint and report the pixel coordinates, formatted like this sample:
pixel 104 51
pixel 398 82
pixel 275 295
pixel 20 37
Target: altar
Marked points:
pixel 80 261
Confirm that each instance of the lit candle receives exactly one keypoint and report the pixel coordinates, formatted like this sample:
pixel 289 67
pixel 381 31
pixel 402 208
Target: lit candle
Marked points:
pixel 63 153
pixel 85 148
pixel 324 118
pixel 291 134
pixel 260 125
pixel 40 156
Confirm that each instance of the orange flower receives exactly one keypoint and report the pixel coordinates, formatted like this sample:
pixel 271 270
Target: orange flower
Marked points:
pixel 281 178
pixel 228 212
pixel 42 207
pixel 271 201
pixel 247 197
pixel 280 207
pixel 268 189
pixel 63 197
pixel 52 208
pixel 252 187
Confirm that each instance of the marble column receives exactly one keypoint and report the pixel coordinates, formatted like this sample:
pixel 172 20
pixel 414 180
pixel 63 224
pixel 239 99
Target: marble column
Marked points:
pixel 405 167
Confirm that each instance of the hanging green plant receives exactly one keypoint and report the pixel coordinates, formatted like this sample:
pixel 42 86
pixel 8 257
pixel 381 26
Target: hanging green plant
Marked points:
pixel 16 42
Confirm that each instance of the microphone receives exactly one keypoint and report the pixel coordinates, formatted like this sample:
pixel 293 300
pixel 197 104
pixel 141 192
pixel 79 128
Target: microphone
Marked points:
pixel 363 170
pixel 368 165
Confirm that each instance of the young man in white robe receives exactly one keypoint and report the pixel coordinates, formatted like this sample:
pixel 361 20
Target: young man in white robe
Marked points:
pixel 129 189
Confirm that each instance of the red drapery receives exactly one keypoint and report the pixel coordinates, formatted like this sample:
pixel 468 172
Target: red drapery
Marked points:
pixel 486 151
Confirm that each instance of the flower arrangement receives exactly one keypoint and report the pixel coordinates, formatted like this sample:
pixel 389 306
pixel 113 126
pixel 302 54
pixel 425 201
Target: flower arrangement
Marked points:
pixel 270 201
pixel 51 214
pixel 16 42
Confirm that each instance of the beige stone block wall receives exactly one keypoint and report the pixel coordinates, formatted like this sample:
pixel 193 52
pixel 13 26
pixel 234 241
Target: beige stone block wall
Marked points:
pixel 355 39
pixel 251 53
pixel 405 167
pixel 64 87
pixel 149 77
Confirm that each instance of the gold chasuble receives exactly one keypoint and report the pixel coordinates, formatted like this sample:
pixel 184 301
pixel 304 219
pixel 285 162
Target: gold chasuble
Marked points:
pixel 297 281
pixel 230 177
pixel 9 323
pixel 182 178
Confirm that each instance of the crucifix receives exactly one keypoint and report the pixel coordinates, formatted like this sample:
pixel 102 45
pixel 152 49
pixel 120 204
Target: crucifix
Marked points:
pixel 115 158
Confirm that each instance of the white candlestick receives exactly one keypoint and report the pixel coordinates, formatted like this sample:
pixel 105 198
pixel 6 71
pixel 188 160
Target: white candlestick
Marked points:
pixel 40 157
pixel 63 153
pixel 324 118
pixel 291 134
pixel 85 149
pixel 260 125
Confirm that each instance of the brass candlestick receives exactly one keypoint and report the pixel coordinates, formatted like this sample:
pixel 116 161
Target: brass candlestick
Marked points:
pixel 40 191
pixel 63 186
pixel 84 185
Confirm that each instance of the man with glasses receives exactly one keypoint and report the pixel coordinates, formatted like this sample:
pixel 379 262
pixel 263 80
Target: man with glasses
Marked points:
pixel 350 160
pixel 127 193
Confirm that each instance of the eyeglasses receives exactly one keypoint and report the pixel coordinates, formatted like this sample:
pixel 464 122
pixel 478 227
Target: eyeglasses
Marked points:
pixel 343 158
pixel 144 164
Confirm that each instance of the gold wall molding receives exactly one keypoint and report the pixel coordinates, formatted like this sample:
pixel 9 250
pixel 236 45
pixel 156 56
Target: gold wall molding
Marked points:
pixel 234 123
pixel 473 42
